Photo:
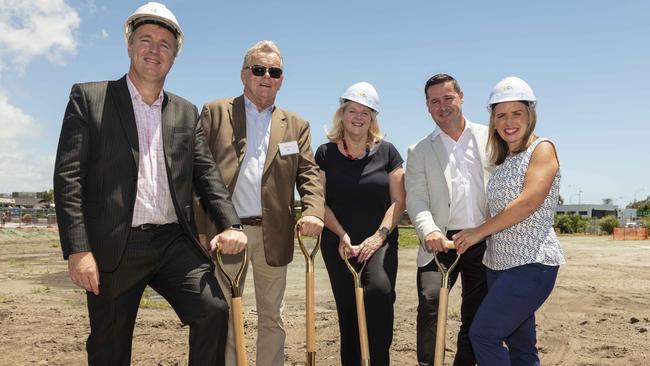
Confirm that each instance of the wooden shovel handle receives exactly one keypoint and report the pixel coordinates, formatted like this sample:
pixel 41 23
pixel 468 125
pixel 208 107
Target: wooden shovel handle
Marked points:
pixel 238 325
pixel 439 355
pixel 310 314
pixel 363 328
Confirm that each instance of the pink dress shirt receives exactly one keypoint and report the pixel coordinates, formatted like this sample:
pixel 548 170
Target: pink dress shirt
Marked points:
pixel 153 202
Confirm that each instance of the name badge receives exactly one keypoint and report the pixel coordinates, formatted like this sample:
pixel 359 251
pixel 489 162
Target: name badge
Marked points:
pixel 288 148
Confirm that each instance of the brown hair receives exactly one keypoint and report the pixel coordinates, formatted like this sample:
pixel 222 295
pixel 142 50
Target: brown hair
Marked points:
pixel 498 148
pixel 440 79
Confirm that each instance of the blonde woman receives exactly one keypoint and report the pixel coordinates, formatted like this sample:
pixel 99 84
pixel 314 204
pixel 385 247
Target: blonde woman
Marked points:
pixel 364 195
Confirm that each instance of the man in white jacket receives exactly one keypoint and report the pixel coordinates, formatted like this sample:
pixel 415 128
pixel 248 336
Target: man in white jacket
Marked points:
pixel 446 174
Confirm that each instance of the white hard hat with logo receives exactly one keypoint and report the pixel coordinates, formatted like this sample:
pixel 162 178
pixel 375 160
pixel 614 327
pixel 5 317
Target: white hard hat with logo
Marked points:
pixel 511 89
pixel 154 13
pixel 363 93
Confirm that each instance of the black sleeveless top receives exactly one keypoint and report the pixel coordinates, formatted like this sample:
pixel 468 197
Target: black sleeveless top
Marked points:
pixel 357 191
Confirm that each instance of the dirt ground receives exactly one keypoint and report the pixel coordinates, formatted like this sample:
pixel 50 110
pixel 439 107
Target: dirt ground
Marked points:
pixel 598 313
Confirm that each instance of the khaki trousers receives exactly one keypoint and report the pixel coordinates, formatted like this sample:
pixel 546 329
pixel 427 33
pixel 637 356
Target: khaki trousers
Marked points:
pixel 270 283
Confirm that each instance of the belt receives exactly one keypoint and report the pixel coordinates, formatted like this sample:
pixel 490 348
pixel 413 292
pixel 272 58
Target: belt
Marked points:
pixel 251 221
pixel 145 227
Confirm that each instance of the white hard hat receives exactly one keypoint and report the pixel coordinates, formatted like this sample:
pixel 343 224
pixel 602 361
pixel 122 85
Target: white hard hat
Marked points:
pixel 155 13
pixel 362 93
pixel 511 89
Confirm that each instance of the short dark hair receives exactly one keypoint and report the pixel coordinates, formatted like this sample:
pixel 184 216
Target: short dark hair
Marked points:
pixel 439 79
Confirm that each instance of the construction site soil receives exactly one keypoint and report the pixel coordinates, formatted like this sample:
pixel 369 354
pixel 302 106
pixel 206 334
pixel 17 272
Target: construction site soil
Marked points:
pixel 598 313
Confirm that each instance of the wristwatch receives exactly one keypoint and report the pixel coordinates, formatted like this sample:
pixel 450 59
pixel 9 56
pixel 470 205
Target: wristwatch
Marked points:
pixel 384 231
pixel 237 227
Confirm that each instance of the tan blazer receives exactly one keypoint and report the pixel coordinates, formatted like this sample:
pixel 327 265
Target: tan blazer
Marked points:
pixel 428 185
pixel 224 125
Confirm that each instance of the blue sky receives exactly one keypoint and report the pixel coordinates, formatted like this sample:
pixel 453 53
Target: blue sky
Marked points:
pixel 587 61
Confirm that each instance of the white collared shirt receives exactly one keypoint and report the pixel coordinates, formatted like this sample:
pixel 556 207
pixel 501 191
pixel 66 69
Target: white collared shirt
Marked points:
pixel 468 203
pixel 153 200
pixel 247 195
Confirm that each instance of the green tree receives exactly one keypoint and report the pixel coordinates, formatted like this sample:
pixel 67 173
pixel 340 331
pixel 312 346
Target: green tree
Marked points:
pixel 569 224
pixel 47 197
pixel 579 223
pixel 563 222
pixel 608 223
pixel 640 205
pixel 646 223
pixel 643 209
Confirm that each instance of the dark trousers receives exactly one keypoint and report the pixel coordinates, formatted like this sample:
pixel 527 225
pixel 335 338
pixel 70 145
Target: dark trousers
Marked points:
pixel 473 275
pixel 508 314
pixel 378 280
pixel 167 260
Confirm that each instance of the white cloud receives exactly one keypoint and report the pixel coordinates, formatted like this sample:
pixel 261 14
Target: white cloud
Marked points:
pixel 21 168
pixel 15 122
pixel 36 28
pixel 104 34
pixel 30 29
pixel 24 170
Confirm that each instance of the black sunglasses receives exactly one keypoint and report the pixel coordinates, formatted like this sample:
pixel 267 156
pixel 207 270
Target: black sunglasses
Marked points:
pixel 259 70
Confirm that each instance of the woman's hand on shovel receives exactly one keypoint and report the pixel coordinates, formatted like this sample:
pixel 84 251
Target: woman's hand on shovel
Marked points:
pixel 346 249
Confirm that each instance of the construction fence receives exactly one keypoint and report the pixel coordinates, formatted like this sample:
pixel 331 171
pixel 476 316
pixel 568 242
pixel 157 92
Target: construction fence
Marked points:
pixel 630 233
pixel 28 216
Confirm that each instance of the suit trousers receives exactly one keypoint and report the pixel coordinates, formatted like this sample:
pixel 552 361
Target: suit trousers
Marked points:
pixel 270 283
pixel 168 261
pixel 473 274
pixel 378 280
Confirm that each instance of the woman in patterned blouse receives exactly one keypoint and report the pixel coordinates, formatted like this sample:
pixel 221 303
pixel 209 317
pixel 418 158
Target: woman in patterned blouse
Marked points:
pixel 523 254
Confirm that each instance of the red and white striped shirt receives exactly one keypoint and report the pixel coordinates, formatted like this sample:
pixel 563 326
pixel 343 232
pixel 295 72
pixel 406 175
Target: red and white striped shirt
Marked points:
pixel 153 202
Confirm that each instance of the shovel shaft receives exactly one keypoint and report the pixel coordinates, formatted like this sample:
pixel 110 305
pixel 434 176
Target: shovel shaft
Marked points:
pixel 363 328
pixel 310 315
pixel 439 355
pixel 238 325
pixel 311 358
pixel 310 308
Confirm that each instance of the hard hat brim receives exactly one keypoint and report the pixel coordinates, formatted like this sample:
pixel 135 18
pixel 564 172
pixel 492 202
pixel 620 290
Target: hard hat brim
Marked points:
pixel 157 21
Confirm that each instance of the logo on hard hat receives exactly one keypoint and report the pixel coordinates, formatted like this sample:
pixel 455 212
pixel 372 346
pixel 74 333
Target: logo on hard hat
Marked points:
pixel 361 94
pixel 506 87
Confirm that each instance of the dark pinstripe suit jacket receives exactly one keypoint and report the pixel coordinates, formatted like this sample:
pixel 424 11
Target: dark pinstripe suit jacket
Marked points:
pixel 96 170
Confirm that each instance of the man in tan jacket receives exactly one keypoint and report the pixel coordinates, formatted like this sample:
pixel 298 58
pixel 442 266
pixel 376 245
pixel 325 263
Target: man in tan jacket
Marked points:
pixel 264 153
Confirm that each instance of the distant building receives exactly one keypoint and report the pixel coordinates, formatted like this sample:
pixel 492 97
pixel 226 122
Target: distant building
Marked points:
pixel 27 199
pixel 7 202
pixel 24 194
pixel 587 211
pixel 628 215
pixel 28 202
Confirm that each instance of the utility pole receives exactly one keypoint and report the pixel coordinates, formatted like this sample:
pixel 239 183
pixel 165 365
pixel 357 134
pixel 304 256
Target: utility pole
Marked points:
pixel 579 192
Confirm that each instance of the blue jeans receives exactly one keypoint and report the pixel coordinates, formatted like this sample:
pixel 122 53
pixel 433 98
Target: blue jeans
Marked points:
pixel 507 314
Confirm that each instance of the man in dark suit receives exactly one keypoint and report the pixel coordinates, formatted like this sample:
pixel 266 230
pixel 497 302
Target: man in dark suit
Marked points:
pixel 129 155
pixel 264 154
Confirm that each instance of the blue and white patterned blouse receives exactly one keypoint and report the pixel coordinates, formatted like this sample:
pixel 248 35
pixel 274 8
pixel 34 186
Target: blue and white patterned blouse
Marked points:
pixel 532 240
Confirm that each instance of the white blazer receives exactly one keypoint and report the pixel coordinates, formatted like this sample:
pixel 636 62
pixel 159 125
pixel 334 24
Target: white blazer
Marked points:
pixel 428 184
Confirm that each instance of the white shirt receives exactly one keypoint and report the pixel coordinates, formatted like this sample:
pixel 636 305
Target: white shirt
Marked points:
pixel 468 203
pixel 153 200
pixel 247 195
